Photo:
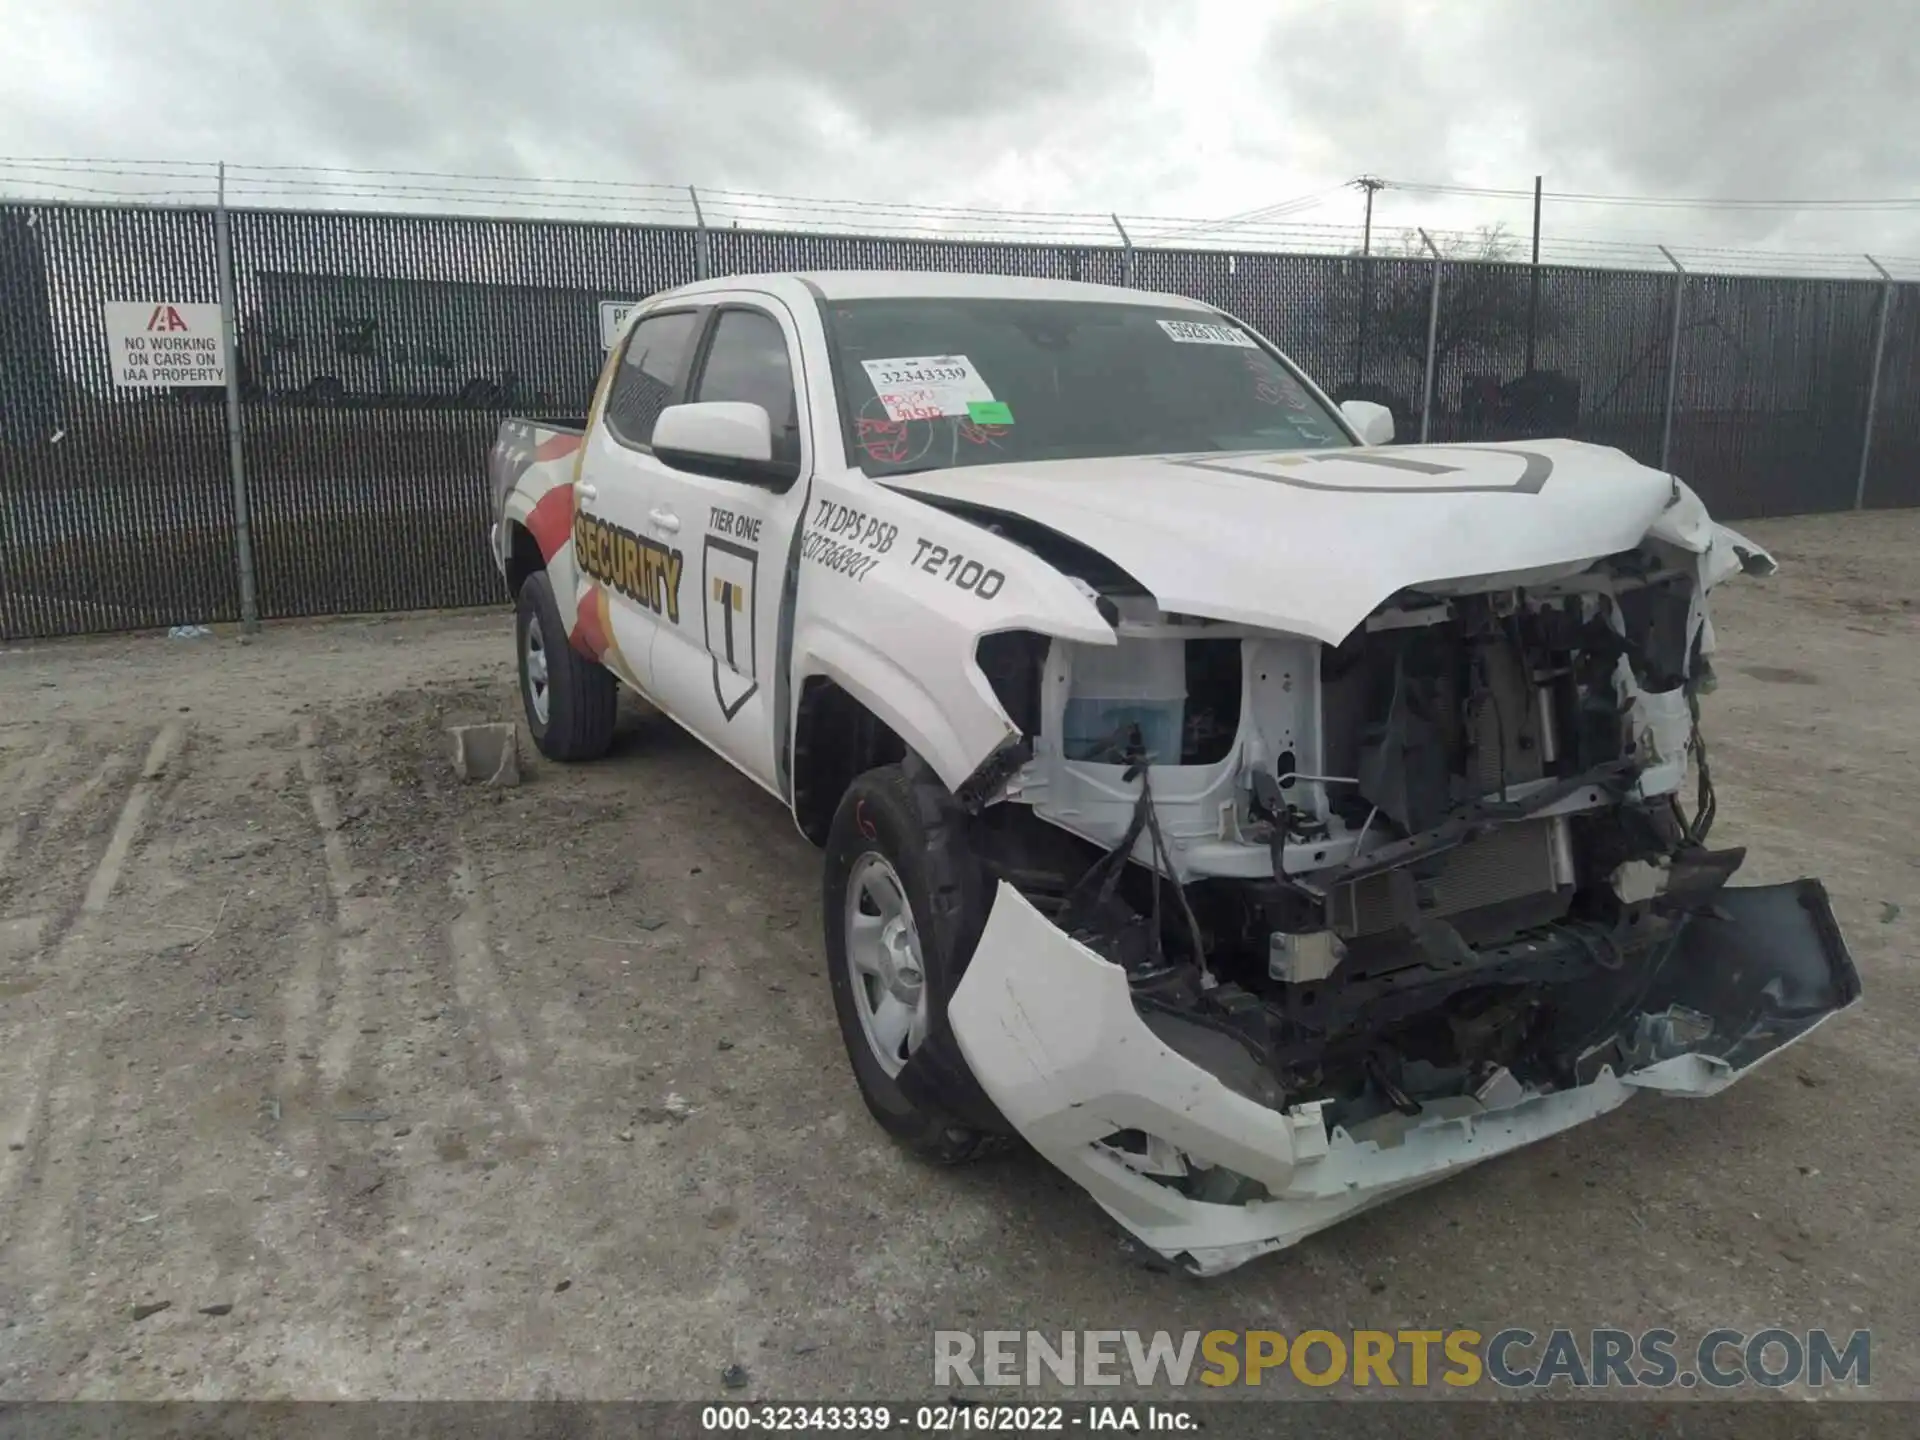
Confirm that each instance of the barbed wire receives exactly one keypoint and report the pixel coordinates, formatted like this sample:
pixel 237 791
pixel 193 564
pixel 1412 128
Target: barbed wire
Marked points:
pixel 1266 228
pixel 1672 202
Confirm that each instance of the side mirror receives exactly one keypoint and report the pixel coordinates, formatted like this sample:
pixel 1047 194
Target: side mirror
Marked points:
pixel 732 439
pixel 713 430
pixel 1374 423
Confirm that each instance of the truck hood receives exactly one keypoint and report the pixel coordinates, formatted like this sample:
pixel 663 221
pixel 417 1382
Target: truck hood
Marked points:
pixel 1312 542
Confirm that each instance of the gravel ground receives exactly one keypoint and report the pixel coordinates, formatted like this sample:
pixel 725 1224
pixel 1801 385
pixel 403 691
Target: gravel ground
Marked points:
pixel 389 1087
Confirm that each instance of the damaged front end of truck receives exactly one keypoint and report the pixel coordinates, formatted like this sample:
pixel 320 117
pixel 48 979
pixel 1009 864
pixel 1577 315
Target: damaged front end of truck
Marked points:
pixel 1285 928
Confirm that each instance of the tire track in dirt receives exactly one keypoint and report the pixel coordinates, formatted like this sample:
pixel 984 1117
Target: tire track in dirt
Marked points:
pixel 28 917
pixel 20 785
pixel 482 993
pixel 333 1068
pixel 299 1012
pixel 106 874
pixel 52 1108
pixel 446 950
pixel 366 979
pixel 352 919
pixel 36 930
pixel 76 797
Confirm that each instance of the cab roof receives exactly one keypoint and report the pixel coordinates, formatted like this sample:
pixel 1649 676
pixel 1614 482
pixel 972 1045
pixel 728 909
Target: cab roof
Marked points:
pixel 939 284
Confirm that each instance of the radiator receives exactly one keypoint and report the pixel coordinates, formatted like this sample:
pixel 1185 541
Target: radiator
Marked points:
pixel 1513 862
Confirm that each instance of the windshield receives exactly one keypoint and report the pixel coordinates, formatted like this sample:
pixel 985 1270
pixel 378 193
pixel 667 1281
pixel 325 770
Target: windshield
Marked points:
pixel 929 383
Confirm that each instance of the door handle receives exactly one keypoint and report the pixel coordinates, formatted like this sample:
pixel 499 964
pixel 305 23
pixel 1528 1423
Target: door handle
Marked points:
pixel 665 520
pixel 588 492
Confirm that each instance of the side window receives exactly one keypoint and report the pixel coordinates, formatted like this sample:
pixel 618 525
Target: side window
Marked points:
pixel 649 373
pixel 747 360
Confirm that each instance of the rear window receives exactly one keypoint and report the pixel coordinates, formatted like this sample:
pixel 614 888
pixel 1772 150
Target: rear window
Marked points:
pixel 649 373
pixel 937 383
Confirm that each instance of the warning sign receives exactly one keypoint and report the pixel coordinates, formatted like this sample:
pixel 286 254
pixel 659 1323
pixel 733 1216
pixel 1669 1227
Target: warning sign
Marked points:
pixel 156 343
pixel 612 314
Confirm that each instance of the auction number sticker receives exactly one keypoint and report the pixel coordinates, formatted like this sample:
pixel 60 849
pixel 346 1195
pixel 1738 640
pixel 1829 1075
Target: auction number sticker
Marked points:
pixel 1194 332
pixel 926 387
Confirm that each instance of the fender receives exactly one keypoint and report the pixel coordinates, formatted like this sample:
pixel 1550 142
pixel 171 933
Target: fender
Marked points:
pixel 893 598
pixel 533 471
pixel 1722 549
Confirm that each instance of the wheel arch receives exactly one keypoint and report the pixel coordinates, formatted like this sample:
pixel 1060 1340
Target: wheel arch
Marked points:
pixel 839 676
pixel 837 737
pixel 520 556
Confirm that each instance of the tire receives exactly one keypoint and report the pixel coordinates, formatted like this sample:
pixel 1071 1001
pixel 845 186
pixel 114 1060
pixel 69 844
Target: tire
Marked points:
pixel 914 831
pixel 571 718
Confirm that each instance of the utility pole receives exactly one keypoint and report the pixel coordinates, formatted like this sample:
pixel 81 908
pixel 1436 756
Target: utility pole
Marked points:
pixel 1533 282
pixel 1369 184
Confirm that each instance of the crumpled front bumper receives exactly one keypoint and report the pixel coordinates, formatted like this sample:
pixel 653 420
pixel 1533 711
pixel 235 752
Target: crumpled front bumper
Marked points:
pixel 1050 1032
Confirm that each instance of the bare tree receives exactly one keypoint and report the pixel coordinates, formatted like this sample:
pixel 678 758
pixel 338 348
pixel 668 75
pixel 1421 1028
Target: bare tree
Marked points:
pixel 1482 305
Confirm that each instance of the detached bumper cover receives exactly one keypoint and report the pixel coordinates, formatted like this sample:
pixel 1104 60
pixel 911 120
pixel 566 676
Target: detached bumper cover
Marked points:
pixel 1050 1031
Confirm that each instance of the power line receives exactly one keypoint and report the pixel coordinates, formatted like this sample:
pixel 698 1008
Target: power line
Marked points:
pixel 449 175
pixel 116 166
pixel 1676 202
pixel 629 207
pixel 717 195
pixel 75 162
pixel 763 209
pixel 1294 206
pixel 757 195
pixel 208 174
pixel 1265 228
pixel 102 190
pixel 365 180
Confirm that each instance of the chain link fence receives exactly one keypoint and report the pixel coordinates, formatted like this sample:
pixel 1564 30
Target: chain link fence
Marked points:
pixel 374 356
pixel 115 507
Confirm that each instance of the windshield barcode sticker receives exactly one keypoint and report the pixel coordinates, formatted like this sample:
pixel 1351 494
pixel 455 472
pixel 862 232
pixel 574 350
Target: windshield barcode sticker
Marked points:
pixel 926 387
pixel 1193 332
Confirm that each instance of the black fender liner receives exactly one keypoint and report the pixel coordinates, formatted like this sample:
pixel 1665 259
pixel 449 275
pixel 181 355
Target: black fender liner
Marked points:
pixel 937 1074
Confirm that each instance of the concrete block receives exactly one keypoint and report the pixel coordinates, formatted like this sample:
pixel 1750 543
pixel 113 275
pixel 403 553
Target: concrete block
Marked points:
pixel 487 753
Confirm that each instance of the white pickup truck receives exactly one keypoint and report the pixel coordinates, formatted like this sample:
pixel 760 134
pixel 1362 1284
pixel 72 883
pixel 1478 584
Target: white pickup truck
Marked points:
pixel 1261 820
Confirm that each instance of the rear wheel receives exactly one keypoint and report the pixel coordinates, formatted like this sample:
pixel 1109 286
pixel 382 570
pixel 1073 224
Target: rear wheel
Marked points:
pixel 904 903
pixel 569 700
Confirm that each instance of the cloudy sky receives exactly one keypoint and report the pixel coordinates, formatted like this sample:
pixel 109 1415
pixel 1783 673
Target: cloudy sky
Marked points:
pixel 1197 108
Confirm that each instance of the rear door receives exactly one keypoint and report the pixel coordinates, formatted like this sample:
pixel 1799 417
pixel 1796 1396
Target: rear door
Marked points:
pixel 630 557
pixel 713 663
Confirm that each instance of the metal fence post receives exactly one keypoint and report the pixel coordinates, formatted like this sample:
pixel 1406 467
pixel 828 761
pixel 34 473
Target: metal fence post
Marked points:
pixel 1366 314
pixel 1673 358
pixel 702 260
pixel 236 450
pixel 1433 336
pixel 1126 246
pixel 1873 386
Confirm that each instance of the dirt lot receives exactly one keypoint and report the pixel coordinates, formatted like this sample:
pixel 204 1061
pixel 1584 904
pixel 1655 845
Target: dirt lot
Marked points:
pixel 456 1092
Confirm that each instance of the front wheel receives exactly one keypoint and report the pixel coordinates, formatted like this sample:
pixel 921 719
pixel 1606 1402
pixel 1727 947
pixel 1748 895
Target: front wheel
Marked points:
pixel 904 903
pixel 569 700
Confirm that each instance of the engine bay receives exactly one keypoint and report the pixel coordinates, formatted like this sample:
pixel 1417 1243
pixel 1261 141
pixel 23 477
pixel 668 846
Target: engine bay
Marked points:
pixel 1445 862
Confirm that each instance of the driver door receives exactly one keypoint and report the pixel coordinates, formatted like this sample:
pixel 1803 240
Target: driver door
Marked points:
pixel 713 664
